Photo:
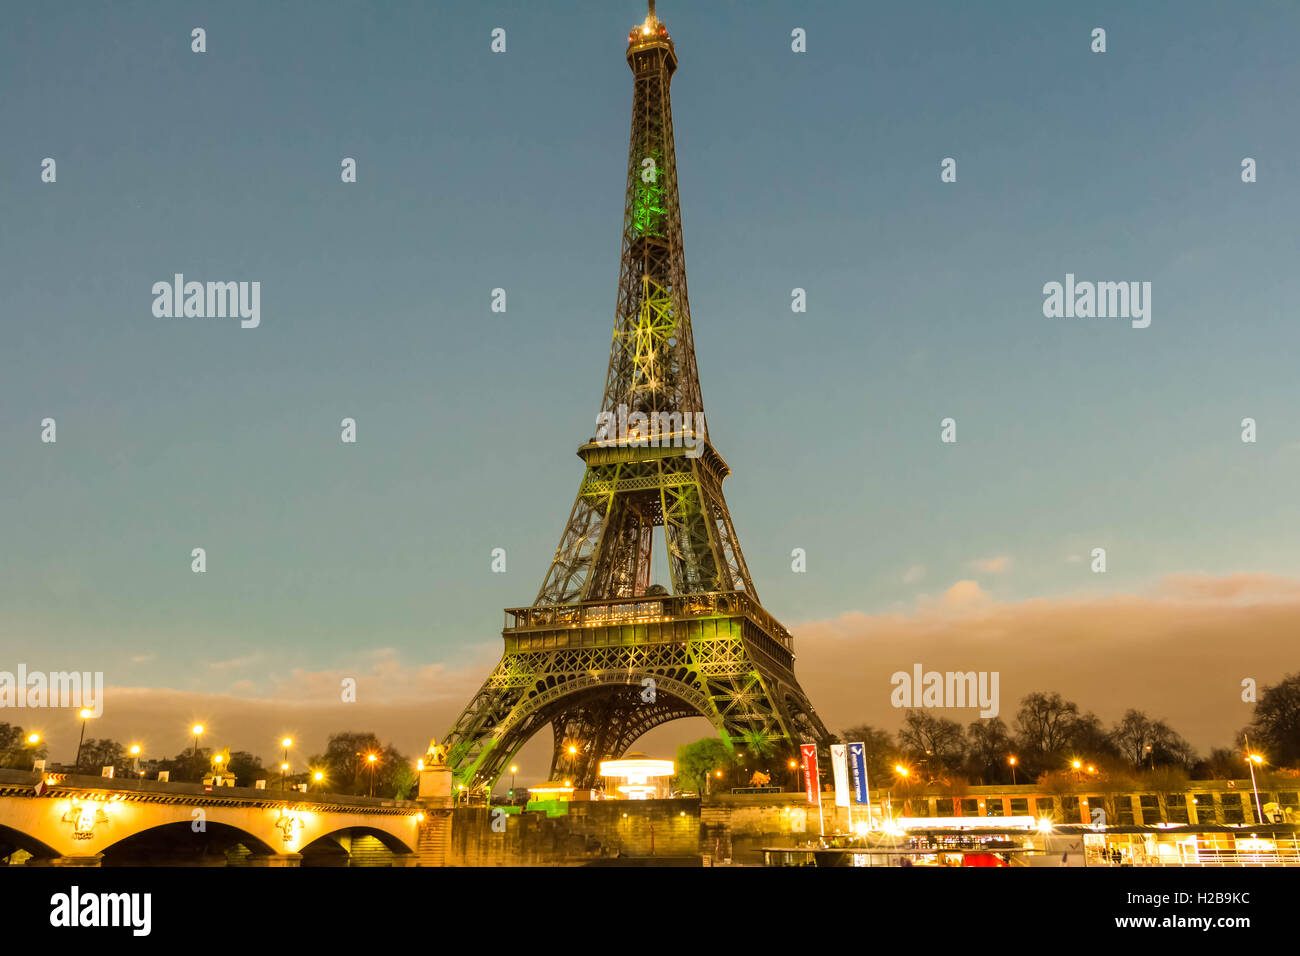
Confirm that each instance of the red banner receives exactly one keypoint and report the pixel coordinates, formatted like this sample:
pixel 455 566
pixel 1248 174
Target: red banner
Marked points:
pixel 811 782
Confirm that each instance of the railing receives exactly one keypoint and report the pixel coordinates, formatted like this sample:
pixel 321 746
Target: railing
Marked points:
pixel 646 610
pixel 1219 860
pixel 60 783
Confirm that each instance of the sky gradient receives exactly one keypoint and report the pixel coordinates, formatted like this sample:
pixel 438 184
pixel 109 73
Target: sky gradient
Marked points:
pixel 475 171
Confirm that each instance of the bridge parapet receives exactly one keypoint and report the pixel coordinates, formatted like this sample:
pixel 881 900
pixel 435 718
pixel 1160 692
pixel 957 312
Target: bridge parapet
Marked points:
pixel 23 783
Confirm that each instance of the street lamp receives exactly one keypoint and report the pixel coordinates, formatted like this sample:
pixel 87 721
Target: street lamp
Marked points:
pixel 134 751
pixel 1012 760
pixel 318 777
pixel 286 743
pixel 514 769
pixel 371 759
pixel 85 715
pixel 1251 760
pixel 197 731
pixel 32 740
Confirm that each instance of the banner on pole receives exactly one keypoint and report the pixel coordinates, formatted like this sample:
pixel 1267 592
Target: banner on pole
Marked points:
pixel 812 786
pixel 858 761
pixel 840 770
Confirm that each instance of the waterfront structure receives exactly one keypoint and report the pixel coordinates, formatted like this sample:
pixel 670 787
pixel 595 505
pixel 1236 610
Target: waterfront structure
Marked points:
pixel 637 777
pixel 602 654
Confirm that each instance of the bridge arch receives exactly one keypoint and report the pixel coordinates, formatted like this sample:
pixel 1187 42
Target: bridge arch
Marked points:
pixel 176 843
pixel 357 846
pixel 12 840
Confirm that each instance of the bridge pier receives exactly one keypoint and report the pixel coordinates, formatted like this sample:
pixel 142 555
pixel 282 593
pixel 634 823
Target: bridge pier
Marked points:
pixel 275 859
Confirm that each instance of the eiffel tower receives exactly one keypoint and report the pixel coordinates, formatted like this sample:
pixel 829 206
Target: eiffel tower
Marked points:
pixel 603 655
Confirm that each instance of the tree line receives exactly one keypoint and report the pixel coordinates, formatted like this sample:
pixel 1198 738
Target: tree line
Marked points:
pixel 1047 735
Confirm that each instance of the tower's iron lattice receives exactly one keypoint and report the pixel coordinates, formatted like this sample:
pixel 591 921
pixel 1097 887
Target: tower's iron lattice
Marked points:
pixel 602 655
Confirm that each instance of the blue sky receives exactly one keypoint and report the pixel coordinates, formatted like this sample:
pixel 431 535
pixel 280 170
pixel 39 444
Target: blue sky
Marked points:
pixel 816 170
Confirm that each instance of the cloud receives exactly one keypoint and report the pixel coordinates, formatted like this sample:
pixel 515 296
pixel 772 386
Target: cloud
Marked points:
pixel 234 663
pixel 992 565
pixel 403 702
pixel 914 574
pixel 1178 651
pixel 964 594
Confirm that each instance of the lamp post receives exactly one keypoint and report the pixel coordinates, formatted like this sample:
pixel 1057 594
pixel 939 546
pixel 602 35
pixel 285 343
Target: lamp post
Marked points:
pixel 1012 760
pixel 1251 760
pixel 197 731
pixel 33 739
pixel 135 761
pixel 286 743
pixel 85 715
pixel 371 759
pixel 513 770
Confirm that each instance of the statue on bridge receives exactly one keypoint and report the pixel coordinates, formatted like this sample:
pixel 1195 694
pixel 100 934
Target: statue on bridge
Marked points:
pixel 435 775
pixel 436 756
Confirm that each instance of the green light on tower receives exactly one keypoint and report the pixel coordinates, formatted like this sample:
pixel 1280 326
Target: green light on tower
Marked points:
pixel 648 203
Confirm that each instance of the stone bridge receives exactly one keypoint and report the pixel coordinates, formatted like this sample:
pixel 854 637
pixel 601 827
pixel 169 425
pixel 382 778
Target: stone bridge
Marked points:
pixel 73 820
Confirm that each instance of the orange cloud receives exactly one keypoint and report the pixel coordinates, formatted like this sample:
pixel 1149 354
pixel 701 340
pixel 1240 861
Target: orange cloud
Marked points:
pixel 1179 651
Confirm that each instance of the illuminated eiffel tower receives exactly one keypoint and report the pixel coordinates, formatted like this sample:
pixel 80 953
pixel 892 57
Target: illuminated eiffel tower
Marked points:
pixel 602 654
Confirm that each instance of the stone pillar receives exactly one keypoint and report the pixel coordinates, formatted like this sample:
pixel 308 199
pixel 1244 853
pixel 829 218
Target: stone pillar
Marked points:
pixel 275 859
pixel 434 838
pixel 435 786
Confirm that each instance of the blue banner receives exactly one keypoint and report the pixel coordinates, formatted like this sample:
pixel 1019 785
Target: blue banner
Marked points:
pixel 858 769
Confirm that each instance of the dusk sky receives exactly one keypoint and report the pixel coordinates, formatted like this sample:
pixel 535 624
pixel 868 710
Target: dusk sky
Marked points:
pixel 478 170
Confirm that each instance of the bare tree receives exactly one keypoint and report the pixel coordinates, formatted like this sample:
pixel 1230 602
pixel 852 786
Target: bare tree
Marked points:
pixel 990 746
pixel 937 740
pixel 1044 726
